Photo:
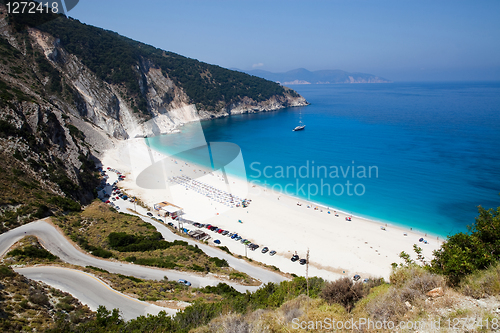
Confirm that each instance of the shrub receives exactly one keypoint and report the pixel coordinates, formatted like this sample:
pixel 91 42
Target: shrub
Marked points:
pixel 410 284
pixel 465 253
pixel 97 269
pixel 32 252
pixel 132 278
pixel 483 283
pixel 66 204
pixel 387 306
pixel 219 262
pixel 100 252
pixel 197 268
pixel 344 292
pixel 5 271
pixel 37 297
pixel 225 249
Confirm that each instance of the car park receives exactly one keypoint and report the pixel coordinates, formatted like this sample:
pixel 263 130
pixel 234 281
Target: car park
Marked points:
pixel 265 249
pixel 295 258
pixel 184 282
pixel 302 261
pixel 272 253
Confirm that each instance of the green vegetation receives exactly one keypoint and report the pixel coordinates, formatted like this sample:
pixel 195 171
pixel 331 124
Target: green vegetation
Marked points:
pixel 109 234
pixel 115 59
pixel 466 253
pixel 28 306
pixel 32 252
pixel 24 199
pixel 124 242
pixel 219 262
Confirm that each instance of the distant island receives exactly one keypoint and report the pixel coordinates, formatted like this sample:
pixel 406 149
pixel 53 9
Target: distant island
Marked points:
pixel 304 76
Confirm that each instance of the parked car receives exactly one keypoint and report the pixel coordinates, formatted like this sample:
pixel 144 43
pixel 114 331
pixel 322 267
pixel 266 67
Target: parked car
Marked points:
pixel 302 261
pixel 265 249
pixel 272 253
pixel 217 241
pixel 117 207
pixel 170 224
pixel 356 277
pixel 225 232
pixel 253 247
pixel 233 236
pixel 184 282
pixel 113 199
pixel 220 231
pixel 238 238
pixel 295 258
pixel 243 240
pixel 208 226
pixel 161 220
pixel 149 214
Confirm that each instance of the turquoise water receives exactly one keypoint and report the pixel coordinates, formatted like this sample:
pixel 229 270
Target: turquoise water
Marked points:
pixel 433 150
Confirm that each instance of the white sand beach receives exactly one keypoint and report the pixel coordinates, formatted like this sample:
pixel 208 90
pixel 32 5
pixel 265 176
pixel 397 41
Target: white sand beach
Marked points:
pixel 336 247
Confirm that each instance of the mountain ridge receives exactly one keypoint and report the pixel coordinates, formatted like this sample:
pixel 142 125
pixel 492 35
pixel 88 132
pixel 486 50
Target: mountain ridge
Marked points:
pixel 304 76
pixel 69 91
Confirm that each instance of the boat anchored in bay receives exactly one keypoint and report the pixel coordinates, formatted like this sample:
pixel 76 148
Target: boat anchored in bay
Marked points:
pixel 301 125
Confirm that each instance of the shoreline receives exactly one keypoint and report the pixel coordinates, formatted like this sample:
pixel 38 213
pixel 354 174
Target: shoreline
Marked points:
pixel 386 223
pixel 365 247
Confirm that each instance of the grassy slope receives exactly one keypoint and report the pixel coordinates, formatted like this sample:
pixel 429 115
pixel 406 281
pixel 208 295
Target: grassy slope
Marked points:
pixel 28 251
pixel 23 198
pixel 27 305
pixel 91 228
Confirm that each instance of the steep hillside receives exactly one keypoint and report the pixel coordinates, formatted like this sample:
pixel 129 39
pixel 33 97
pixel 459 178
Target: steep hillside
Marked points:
pixel 68 90
pixel 30 306
pixel 118 83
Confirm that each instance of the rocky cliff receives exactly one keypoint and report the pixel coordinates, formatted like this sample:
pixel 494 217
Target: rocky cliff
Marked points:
pixel 62 105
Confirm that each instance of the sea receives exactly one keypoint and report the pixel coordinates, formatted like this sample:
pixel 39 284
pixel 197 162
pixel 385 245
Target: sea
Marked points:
pixel 417 155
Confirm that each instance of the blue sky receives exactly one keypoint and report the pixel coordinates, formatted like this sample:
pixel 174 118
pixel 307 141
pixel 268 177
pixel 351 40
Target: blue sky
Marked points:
pixel 403 40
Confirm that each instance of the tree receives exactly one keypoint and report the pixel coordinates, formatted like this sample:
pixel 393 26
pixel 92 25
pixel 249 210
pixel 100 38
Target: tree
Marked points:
pixel 465 253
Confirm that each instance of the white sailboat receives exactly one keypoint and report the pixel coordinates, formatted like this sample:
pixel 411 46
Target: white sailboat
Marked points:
pixel 301 125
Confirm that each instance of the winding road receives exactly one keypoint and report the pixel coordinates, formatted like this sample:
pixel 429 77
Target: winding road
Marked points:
pixel 91 291
pixel 58 245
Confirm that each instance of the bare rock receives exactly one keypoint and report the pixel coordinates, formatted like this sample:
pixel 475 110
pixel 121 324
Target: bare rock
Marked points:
pixel 436 292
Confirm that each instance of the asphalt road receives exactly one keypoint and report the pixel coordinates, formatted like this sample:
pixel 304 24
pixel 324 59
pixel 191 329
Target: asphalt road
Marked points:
pixel 58 245
pixel 256 272
pixel 91 291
